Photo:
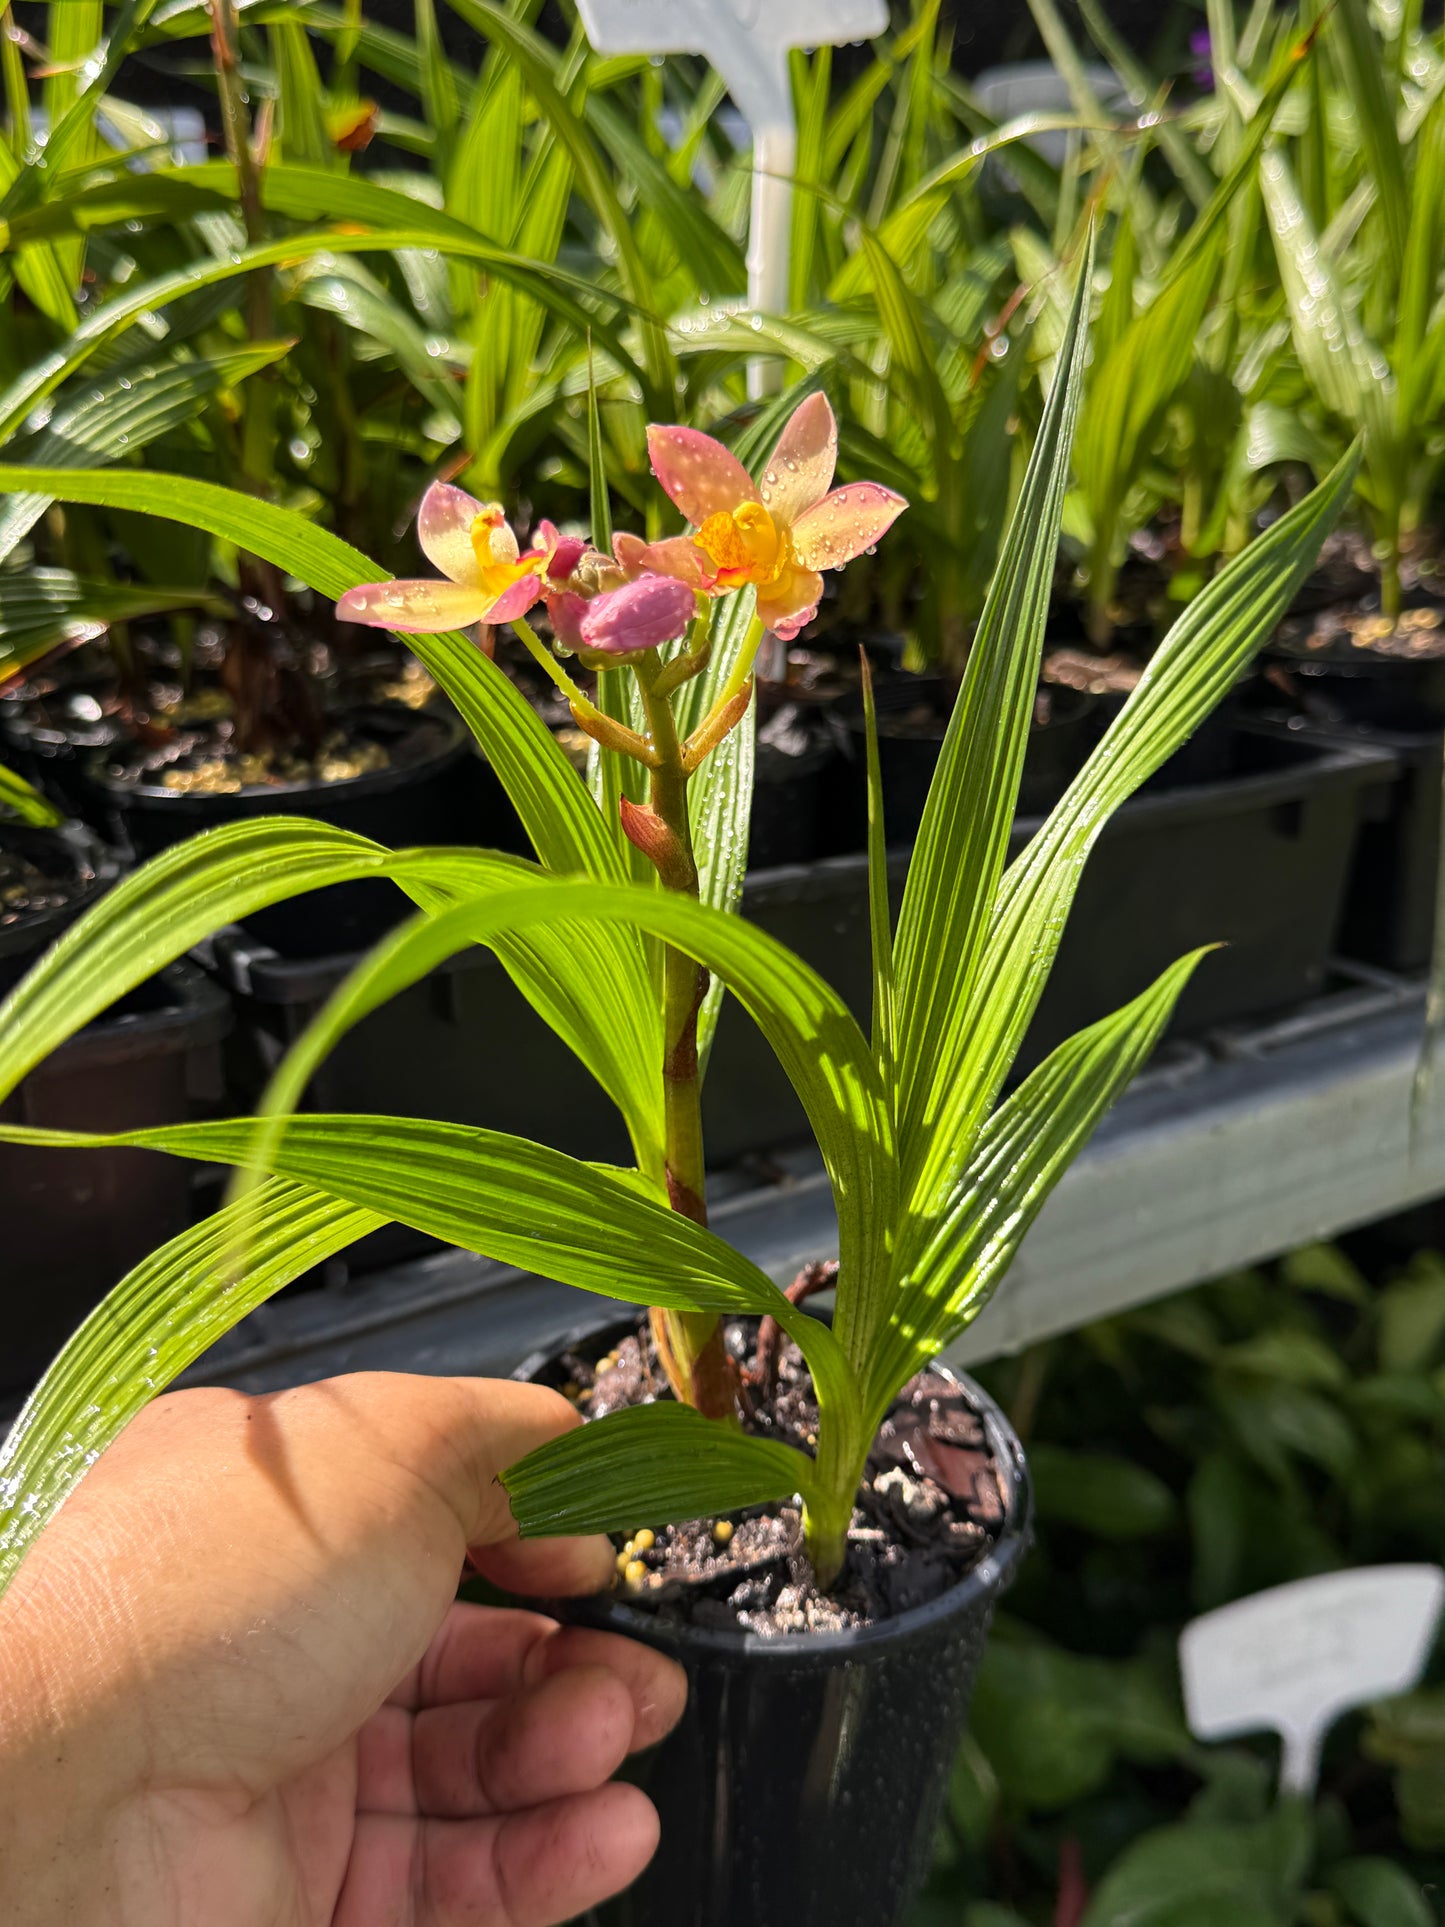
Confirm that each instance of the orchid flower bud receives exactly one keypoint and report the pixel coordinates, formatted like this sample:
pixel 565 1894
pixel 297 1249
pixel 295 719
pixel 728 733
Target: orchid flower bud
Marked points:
pixel 642 615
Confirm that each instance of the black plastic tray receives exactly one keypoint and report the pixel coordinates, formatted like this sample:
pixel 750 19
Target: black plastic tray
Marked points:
pixel 1389 912
pixel 1257 860
pixel 76 1221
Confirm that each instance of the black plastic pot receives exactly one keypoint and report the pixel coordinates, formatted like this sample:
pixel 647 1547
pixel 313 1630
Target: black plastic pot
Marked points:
pixel 803 1785
pixel 69 852
pixel 435 792
pixel 784 826
pixel 77 1221
pixel 913 714
pixel 1389 910
pixel 46 737
pixel 1344 683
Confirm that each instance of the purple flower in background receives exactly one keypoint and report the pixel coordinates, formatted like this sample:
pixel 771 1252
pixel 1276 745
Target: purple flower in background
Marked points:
pixel 1204 71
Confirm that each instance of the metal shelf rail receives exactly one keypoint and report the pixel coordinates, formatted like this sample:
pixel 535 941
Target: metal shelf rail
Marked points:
pixel 1225 1151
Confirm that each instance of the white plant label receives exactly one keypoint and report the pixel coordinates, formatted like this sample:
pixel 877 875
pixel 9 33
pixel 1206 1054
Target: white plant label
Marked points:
pixel 747 41
pixel 711 27
pixel 1294 1658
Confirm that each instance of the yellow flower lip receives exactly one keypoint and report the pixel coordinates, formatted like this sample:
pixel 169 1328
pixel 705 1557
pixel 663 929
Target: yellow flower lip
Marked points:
pixel 745 544
pixel 499 562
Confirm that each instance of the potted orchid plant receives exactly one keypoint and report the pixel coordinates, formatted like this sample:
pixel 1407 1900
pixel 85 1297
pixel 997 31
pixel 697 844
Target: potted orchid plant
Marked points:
pixel 813 1513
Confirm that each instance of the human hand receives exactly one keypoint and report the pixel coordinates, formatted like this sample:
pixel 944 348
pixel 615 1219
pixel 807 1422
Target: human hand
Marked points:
pixel 237 1691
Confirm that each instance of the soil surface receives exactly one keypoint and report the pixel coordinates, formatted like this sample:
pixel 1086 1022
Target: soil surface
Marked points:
pixel 1418 635
pixel 205 760
pixel 26 890
pixel 931 1504
pixel 1111 675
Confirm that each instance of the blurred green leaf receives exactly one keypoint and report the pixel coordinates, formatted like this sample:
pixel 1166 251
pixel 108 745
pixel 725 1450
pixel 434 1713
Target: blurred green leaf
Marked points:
pixel 1325 1269
pixel 1412 1317
pixel 1380 1894
pixel 1199 1876
pixel 1052 1723
pixel 21 799
pixel 1099 1493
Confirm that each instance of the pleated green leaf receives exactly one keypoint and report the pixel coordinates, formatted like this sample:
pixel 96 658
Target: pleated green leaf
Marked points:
pixel 570 297
pixel 1188 675
pixel 157 913
pixel 40 608
pixel 808 1026
pixel 503 1197
pixel 962 842
pixel 720 794
pixel 156 1322
pixel 121 414
pixel 651 1465
pixel 550 798
pixel 1021 1153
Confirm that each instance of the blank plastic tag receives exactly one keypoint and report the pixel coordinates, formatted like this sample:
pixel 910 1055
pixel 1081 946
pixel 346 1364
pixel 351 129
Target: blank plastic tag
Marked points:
pixel 712 27
pixel 747 41
pixel 1294 1658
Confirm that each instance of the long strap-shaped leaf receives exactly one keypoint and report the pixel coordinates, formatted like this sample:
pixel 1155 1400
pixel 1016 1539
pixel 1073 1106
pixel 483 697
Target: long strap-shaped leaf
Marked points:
pixel 570 298
pixel 657 1463
pixel 1020 1155
pixel 155 1323
pixel 504 1197
pixel 25 801
pixel 809 1027
pixel 159 912
pixel 1192 670
pixel 122 414
pixel 963 839
pixel 550 797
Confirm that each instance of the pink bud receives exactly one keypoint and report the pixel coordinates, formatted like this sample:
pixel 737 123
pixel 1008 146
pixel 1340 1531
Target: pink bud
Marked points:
pixel 566 551
pixel 641 615
pixel 566 611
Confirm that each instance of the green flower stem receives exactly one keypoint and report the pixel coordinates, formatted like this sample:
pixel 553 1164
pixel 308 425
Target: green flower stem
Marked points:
pixel 546 660
pixel 689 1343
pixel 740 674
pixel 695 657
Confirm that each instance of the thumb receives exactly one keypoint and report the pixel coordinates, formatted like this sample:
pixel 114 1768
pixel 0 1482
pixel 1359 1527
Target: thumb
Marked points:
pixel 458 1435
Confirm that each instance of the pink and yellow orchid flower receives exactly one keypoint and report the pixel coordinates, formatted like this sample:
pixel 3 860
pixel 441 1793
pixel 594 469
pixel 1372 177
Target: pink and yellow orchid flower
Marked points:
pixel 778 534
pixel 485 574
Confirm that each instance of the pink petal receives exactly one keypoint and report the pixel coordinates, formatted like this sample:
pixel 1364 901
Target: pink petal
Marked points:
pixel 564 552
pixel 800 469
pixel 444 529
pixel 514 603
pixel 790 605
pixel 844 524
pixel 679 556
pixel 415 608
pixel 698 473
pixel 566 612
pixel 567 553
pixel 643 614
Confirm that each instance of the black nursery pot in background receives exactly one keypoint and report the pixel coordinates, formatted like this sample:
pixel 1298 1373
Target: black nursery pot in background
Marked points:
pixel 804 1783
pixel 913 717
pixel 435 792
pixel 77 1221
pixel 80 867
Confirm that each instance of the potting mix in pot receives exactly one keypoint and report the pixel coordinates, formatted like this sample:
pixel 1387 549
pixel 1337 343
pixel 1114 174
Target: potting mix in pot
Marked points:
pixel 813 1514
